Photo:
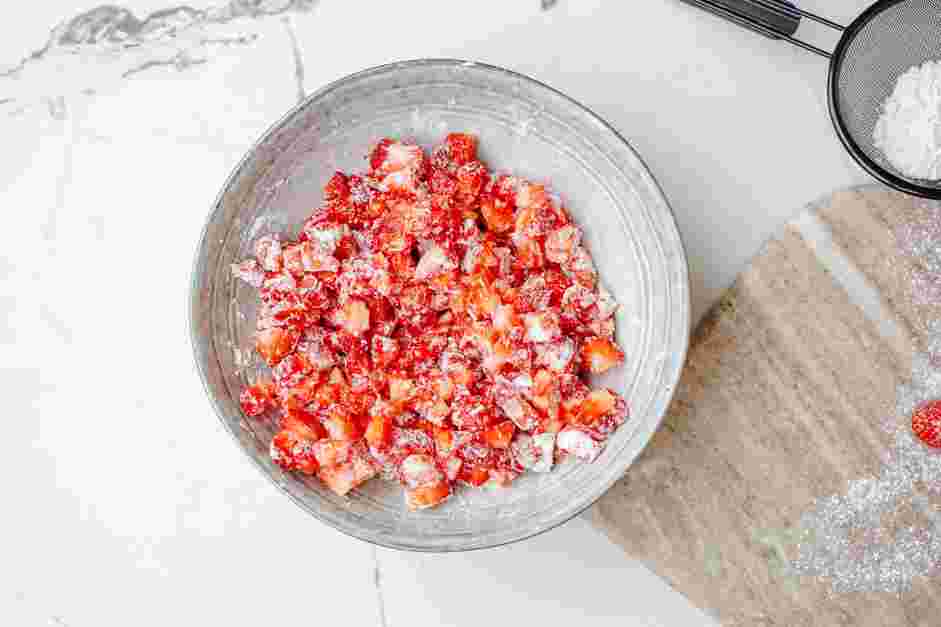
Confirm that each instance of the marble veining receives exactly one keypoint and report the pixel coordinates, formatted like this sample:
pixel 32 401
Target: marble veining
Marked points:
pixel 109 43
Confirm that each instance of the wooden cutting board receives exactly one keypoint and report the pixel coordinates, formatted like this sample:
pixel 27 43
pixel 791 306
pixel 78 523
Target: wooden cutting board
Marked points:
pixel 789 398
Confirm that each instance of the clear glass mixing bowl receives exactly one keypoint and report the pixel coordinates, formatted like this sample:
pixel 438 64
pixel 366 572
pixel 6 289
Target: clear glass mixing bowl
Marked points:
pixel 524 127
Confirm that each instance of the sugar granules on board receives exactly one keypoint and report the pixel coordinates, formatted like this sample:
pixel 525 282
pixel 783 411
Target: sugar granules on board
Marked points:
pixel 909 130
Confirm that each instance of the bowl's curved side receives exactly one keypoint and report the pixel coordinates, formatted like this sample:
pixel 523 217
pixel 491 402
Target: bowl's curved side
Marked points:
pixel 629 227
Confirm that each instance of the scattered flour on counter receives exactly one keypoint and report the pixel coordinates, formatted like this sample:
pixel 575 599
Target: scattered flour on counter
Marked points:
pixel 909 130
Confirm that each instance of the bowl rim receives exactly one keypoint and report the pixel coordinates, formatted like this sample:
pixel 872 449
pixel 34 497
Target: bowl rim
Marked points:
pixel 679 351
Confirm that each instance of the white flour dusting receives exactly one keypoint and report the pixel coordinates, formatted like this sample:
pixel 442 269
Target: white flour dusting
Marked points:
pixel 909 131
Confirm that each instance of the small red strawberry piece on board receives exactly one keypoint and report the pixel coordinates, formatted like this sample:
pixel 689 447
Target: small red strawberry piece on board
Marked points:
pixel 926 423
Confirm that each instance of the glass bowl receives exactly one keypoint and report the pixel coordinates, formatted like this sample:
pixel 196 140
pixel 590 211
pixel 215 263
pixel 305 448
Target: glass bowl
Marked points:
pixel 524 127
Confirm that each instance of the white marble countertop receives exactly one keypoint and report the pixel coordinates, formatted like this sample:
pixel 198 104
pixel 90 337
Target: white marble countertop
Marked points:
pixel 124 503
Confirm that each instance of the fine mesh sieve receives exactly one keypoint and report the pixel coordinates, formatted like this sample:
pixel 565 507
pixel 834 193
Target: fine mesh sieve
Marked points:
pixel 880 45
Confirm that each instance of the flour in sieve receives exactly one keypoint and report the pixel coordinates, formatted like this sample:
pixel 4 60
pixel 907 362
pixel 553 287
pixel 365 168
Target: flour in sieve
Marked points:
pixel 909 130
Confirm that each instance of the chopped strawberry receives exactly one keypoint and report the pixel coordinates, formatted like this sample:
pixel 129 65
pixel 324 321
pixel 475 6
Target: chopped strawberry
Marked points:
pixel 601 354
pixel 499 436
pixel 529 252
pixel 268 253
pixel 293 453
pixel 542 327
pixel 343 478
pixel 462 148
pixel 497 214
pixel 274 344
pixel 598 404
pixel 473 475
pixel 561 243
pixel 379 432
pixel 355 317
pixel 303 424
pixel 340 425
pixel 384 351
pixel 337 189
pixel 301 394
pixel 926 423
pixel 427 496
pixel 436 320
pixel 470 180
pixel 257 399
pixel 249 271
pixel 578 443
pixel 291 370
pixel 332 452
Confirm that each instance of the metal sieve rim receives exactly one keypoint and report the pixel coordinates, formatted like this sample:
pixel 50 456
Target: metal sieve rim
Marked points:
pixel 836 116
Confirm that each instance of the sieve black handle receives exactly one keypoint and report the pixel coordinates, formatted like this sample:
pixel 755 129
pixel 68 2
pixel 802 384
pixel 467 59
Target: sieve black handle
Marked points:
pixel 772 18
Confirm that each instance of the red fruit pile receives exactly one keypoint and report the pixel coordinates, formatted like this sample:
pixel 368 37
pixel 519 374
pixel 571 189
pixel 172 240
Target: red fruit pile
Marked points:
pixel 434 322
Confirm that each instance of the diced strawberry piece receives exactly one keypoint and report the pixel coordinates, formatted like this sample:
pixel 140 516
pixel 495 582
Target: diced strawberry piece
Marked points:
pixel 926 423
pixel 268 253
pixel 379 431
pixel 332 452
pixel 392 156
pixel 561 243
pixel 473 475
pixel 529 253
pixel 343 478
pixel 482 296
pixel 249 271
pixel 313 347
pixel 303 424
pixel 542 327
pixel 301 394
pixel 462 148
pixel 358 365
pixel 278 286
pixel 610 421
pixel 498 215
pixel 355 318
pixel 601 354
pixel 257 399
pixel 529 194
pixel 514 406
pixel 400 390
pixel 340 425
pixel 337 189
pixel 470 413
pixel 434 262
pixel 533 294
pixel 598 404
pixel 384 351
pixel 444 441
pixel 419 470
pixel 500 435
pixel 273 344
pixel 443 386
pixel 291 256
pixel 325 236
pixel 580 267
pixel 293 453
pixel 578 443
pixel 291 370
pixel 534 452
pixel 470 180
pixel 427 496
